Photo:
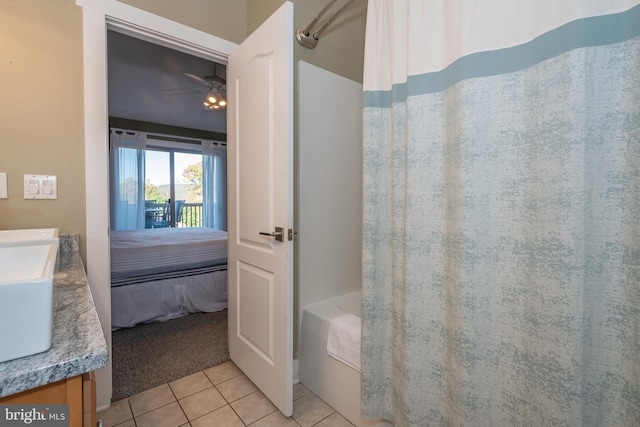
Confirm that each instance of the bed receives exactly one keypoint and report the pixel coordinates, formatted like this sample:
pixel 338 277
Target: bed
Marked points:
pixel 159 274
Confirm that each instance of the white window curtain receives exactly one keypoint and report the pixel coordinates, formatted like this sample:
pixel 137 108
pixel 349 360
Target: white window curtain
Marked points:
pixel 127 154
pixel 214 185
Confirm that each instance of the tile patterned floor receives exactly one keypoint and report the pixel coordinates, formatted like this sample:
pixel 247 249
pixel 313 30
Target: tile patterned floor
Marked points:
pixel 218 396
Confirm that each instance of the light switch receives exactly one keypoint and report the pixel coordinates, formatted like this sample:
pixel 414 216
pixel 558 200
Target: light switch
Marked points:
pixel 47 187
pixel 40 187
pixel 3 185
pixel 34 186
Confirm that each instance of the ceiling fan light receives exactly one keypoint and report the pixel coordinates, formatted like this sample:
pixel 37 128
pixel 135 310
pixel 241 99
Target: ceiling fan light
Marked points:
pixel 222 103
pixel 211 98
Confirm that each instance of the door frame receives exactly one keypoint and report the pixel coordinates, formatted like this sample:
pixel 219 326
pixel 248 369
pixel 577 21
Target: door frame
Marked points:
pixel 98 16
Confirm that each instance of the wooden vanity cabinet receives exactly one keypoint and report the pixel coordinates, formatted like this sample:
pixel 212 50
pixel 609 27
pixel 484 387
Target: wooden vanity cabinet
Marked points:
pixel 78 392
pixel 89 416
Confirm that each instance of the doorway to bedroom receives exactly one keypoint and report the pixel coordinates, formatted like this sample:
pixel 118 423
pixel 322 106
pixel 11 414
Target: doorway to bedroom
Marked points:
pixel 167 137
pixel 168 204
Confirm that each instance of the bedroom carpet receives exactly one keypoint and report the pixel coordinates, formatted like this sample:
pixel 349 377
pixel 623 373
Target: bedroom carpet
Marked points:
pixel 151 354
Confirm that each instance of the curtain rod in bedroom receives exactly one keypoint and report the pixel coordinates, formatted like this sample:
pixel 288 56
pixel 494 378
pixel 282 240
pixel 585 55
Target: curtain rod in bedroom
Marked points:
pixel 170 138
pixel 169 130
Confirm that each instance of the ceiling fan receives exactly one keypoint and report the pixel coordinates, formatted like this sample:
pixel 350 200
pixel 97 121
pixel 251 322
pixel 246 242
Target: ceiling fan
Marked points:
pixel 215 87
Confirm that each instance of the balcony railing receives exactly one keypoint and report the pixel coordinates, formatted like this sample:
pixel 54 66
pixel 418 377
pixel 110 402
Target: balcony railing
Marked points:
pixel 157 215
pixel 191 215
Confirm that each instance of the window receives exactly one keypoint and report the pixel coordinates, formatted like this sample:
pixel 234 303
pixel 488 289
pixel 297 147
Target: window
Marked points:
pixel 173 188
pixel 159 182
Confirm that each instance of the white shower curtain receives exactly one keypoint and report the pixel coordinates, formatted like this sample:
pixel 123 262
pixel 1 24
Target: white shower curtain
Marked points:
pixel 127 169
pixel 501 239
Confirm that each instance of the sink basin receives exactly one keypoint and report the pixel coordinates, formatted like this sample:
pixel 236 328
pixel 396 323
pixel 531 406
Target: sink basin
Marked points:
pixel 26 299
pixel 30 236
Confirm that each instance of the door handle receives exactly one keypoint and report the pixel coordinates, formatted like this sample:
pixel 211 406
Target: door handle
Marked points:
pixel 278 234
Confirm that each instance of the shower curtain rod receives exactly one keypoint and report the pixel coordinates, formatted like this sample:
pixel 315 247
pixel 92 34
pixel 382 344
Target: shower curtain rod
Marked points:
pixel 308 39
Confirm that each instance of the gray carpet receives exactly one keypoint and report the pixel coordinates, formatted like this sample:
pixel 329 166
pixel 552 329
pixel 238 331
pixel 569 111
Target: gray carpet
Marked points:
pixel 151 354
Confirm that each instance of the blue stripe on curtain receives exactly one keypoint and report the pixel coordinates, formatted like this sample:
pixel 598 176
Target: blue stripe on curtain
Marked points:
pixel 593 31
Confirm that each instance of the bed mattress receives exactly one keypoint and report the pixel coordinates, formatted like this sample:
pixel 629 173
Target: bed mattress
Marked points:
pixel 161 251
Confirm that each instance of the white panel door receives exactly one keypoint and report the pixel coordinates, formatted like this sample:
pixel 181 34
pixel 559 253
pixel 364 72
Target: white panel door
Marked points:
pixel 260 199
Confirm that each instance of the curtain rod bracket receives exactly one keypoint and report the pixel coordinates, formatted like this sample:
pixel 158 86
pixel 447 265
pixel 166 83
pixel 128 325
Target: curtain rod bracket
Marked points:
pixel 309 39
pixel 306 40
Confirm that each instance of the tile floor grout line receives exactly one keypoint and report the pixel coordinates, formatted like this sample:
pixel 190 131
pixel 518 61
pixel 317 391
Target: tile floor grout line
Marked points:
pixel 154 409
pixel 207 413
pixel 237 414
pixel 228 403
pixel 334 411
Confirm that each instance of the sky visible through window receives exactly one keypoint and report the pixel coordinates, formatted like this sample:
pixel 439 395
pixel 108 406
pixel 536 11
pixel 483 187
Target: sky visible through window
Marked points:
pixel 157 166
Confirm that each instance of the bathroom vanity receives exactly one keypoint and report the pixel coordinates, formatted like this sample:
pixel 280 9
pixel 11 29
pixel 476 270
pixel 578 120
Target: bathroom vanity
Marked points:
pixel 63 374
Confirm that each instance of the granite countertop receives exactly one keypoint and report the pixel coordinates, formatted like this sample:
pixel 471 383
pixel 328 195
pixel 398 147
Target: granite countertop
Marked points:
pixel 78 343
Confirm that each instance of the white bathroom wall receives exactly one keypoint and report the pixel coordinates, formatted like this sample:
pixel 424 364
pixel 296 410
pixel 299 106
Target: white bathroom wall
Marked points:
pixel 329 190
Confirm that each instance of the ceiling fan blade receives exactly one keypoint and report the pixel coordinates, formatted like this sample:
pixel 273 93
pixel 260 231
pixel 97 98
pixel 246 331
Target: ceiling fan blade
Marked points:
pixel 183 90
pixel 197 79
pixel 181 93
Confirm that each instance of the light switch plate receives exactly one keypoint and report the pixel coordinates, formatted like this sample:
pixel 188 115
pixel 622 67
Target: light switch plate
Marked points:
pixel 40 187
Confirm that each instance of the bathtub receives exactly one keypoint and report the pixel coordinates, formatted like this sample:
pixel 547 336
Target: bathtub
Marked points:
pixel 333 381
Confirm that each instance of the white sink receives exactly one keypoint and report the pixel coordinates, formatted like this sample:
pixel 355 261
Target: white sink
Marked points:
pixel 30 236
pixel 26 299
